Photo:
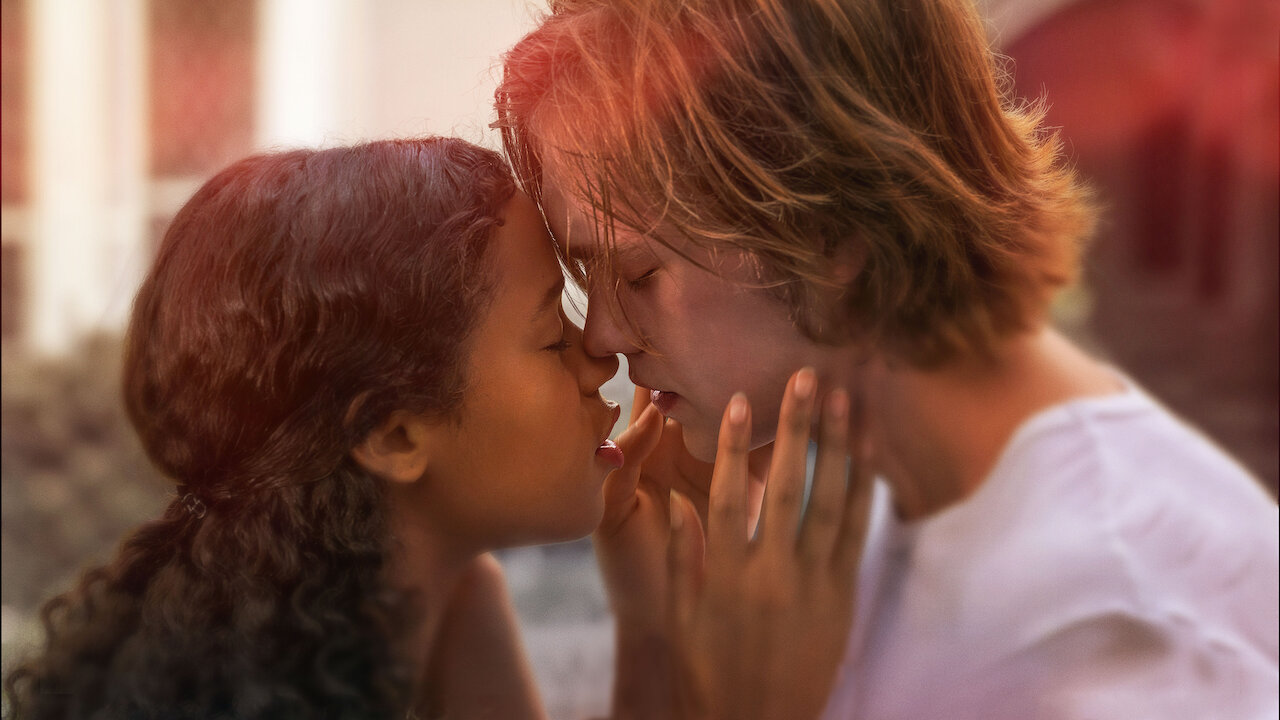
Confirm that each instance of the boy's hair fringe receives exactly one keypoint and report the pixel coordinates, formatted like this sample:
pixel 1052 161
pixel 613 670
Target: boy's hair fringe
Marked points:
pixel 806 131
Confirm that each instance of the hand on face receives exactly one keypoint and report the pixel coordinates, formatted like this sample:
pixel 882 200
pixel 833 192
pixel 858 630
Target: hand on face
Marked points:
pixel 631 540
pixel 631 537
pixel 759 625
pixel 670 465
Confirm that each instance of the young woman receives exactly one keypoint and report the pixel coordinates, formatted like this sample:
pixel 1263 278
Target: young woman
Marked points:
pixel 355 366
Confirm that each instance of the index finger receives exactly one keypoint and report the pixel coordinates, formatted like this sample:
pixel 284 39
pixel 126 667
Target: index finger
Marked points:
pixel 784 492
pixel 727 506
pixel 639 401
pixel 824 514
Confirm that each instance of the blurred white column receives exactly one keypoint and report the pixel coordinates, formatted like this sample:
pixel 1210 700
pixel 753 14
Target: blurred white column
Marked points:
pixel 312 56
pixel 342 71
pixel 87 159
pixel 438 63
pixel 129 156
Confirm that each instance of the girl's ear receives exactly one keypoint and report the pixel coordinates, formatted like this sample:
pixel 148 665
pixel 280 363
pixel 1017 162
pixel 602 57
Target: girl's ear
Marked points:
pixel 398 449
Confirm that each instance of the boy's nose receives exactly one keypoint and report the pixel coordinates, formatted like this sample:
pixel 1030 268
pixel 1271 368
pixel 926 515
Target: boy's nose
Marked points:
pixel 606 332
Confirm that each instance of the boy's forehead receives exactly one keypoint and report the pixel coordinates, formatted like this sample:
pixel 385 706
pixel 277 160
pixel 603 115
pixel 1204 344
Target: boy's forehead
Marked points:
pixel 583 234
pixel 579 228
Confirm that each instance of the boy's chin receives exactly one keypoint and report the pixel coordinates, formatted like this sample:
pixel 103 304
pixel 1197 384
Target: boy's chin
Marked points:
pixel 700 443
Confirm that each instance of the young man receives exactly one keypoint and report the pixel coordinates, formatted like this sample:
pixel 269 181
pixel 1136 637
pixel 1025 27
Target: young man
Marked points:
pixel 745 188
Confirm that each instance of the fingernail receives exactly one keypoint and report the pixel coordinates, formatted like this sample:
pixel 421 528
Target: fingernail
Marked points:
pixel 738 408
pixel 804 383
pixel 837 404
pixel 677 515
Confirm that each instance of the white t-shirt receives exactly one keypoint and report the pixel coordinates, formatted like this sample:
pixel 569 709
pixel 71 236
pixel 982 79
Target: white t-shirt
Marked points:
pixel 1114 565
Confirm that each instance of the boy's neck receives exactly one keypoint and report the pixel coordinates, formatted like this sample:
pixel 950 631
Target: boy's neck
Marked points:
pixel 938 434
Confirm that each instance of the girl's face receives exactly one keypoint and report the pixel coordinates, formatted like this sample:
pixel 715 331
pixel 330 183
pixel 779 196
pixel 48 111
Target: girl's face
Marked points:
pixel 525 462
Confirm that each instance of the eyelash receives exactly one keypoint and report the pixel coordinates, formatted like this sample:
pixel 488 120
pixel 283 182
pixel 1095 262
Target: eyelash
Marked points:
pixel 558 347
pixel 640 281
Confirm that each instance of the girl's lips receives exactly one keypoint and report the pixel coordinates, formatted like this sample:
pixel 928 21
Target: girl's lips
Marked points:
pixel 610 453
pixel 663 400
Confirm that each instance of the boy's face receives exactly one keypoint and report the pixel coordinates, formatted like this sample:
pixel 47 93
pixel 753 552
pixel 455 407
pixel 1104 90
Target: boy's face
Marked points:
pixel 694 335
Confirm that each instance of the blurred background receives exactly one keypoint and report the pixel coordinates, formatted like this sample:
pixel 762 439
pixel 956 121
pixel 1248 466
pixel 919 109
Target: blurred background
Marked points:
pixel 115 111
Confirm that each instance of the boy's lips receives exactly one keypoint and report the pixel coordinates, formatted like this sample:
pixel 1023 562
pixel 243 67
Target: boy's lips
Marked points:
pixel 664 400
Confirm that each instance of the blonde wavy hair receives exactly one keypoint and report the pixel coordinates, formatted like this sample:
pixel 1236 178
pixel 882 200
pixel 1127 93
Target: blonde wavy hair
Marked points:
pixel 799 130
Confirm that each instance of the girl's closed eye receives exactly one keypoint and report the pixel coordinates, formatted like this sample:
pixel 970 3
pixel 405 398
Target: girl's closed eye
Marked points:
pixel 642 279
pixel 561 341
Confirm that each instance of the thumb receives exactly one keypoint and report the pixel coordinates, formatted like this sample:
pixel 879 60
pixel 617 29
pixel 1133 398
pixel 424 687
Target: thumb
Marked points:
pixel 636 443
pixel 641 436
pixel 639 401
pixel 684 562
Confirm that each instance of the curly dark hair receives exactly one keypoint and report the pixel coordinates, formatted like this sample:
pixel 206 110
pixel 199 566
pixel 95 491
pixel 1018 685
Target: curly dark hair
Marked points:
pixel 296 300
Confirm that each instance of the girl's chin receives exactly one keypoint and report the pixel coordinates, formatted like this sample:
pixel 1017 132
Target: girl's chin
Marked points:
pixel 567 525
pixel 577 525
